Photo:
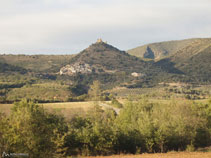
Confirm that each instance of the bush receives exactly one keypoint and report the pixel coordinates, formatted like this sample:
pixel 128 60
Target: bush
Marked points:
pixel 34 131
pixel 190 148
pixel 116 103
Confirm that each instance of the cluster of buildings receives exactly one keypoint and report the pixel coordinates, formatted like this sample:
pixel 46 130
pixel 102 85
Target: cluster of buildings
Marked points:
pixel 76 68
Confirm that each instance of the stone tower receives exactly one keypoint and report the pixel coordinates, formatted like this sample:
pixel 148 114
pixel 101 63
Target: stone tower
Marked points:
pixel 99 40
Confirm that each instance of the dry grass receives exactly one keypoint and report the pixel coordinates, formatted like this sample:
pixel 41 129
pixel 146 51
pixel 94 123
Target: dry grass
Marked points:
pixel 67 109
pixel 68 105
pixel 5 108
pixel 166 155
pixel 70 109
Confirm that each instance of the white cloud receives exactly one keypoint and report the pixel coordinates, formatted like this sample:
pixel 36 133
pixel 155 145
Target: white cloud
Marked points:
pixel 57 26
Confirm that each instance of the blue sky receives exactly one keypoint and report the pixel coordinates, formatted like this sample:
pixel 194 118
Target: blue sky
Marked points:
pixel 69 26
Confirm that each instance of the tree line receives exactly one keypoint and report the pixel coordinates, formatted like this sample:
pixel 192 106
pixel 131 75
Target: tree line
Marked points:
pixel 140 127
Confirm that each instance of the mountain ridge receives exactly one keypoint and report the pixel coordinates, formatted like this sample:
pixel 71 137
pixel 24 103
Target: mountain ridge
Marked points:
pixel 165 49
pixel 192 61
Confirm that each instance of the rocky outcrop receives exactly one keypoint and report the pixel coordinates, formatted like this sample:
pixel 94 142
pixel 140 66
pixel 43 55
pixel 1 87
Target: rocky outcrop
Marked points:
pixel 82 68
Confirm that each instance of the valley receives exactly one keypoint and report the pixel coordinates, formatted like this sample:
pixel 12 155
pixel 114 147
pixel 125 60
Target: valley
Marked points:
pixel 105 101
pixel 61 78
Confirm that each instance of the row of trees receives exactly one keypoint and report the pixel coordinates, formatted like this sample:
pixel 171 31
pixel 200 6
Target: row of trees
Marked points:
pixel 140 127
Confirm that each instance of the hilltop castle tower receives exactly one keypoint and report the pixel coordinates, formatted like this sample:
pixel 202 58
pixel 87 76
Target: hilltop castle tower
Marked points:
pixel 99 40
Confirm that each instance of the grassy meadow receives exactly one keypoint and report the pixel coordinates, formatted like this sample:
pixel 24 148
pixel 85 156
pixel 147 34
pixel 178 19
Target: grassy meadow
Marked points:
pixel 67 109
pixel 70 109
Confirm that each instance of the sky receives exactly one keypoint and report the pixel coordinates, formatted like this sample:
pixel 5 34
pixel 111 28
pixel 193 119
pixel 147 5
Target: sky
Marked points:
pixel 69 26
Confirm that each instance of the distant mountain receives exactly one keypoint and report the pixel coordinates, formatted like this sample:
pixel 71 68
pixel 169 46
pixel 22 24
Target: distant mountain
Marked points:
pixel 164 49
pixel 102 57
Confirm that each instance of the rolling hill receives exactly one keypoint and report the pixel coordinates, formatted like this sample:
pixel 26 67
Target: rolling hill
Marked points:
pixel 112 67
pixel 7 68
pixel 37 63
pixel 101 57
pixel 193 61
pixel 164 49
